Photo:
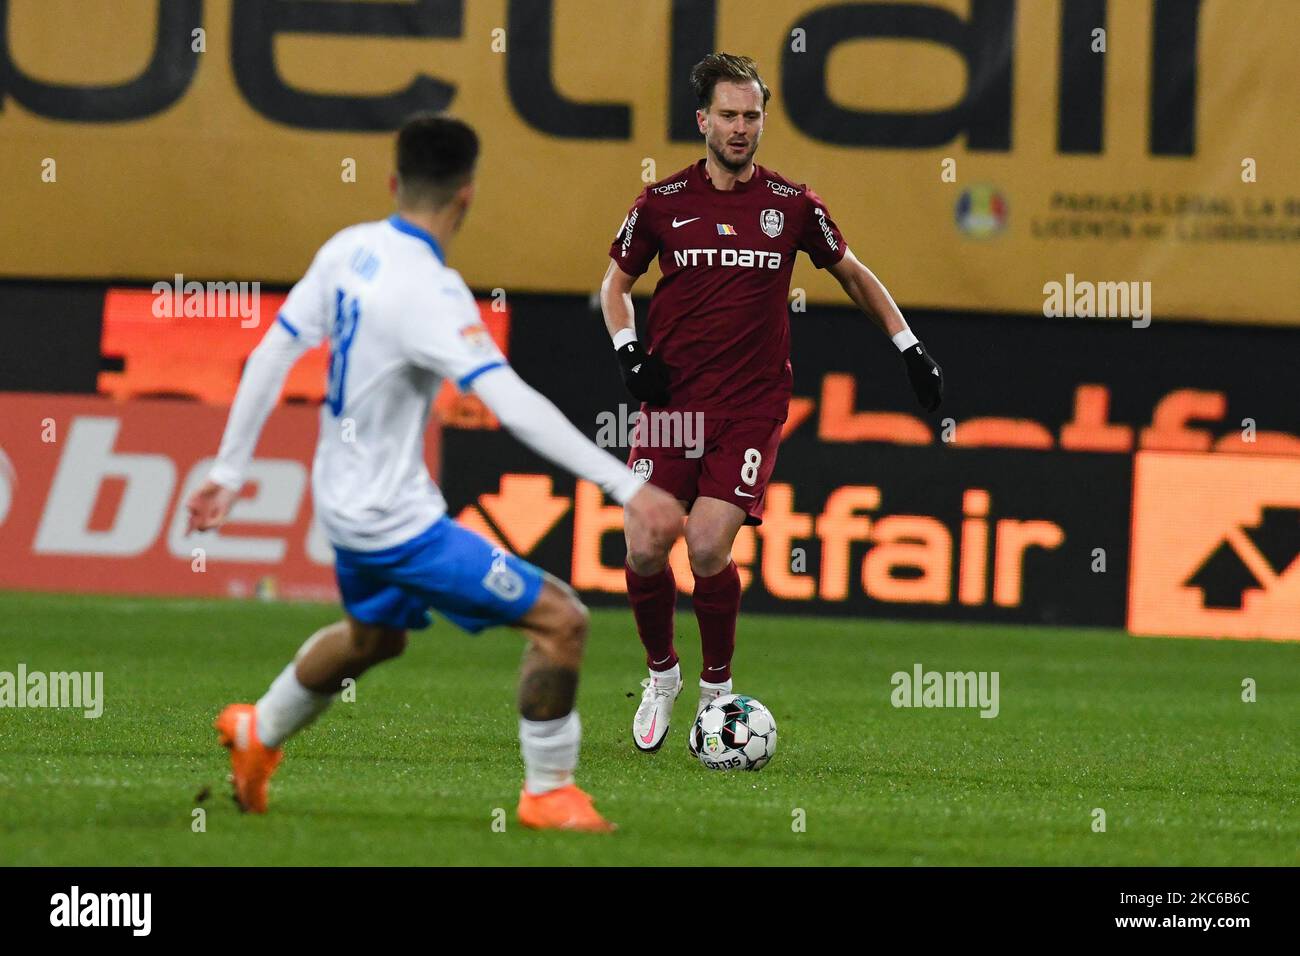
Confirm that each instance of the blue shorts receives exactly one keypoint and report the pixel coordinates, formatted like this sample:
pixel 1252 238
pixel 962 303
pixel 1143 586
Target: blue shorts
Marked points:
pixel 449 568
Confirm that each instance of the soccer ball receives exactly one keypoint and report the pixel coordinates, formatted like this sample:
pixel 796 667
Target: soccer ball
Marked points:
pixel 734 732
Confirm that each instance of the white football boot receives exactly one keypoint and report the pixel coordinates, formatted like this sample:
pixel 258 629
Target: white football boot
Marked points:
pixel 708 694
pixel 650 725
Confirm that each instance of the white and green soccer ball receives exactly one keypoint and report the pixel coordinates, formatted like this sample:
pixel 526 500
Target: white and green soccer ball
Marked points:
pixel 734 732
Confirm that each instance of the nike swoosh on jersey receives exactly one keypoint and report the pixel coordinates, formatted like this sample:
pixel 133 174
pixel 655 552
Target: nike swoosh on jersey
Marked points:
pixel 742 493
pixel 677 225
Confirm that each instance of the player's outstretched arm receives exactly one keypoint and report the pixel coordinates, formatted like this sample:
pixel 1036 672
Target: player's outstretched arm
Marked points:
pixel 530 417
pixel 259 389
pixel 870 295
pixel 645 375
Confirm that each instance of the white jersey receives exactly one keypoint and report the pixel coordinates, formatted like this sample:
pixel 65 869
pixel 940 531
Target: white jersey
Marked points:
pixel 398 322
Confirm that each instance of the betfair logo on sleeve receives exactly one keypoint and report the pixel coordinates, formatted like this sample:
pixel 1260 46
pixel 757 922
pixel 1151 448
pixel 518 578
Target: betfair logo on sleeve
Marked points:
pixel 826 229
pixel 628 225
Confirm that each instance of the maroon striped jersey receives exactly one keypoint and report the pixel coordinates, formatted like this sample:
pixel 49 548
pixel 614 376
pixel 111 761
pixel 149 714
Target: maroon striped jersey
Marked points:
pixel 719 317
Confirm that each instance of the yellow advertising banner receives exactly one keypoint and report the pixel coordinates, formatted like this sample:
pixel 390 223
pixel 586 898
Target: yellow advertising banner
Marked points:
pixel 977 154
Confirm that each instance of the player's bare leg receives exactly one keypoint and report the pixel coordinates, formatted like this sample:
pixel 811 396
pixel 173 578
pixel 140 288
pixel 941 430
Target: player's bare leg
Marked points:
pixel 652 592
pixel 304 689
pixel 549 729
pixel 345 650
pixel 711 532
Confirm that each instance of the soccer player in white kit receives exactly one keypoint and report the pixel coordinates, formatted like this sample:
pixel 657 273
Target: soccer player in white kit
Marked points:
pixel 399 321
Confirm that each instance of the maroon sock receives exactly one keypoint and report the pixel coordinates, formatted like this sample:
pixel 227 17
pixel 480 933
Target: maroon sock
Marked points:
pixel 653 599
pixel 717 605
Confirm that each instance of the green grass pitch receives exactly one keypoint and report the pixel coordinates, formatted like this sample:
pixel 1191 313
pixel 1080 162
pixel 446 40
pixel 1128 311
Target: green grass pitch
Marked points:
pixel 1152 731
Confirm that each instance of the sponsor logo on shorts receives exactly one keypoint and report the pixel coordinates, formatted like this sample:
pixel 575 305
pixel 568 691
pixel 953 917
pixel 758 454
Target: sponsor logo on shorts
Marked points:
pixel 642 468
pixel 502 580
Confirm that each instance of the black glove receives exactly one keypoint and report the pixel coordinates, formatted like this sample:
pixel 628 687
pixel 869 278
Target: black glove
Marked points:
pixel 925 375
pixel 645 376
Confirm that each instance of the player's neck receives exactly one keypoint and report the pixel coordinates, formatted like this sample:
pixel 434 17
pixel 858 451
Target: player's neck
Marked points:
pixel 724 178
pixel 441 225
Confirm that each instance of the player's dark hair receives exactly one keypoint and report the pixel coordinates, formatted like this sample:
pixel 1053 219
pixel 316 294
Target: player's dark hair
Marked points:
pixel 435 157
pixel 724 68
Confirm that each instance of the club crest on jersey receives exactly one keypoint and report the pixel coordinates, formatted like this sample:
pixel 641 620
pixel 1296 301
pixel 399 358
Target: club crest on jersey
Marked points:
pixel 726 229
pixel 642 468
pixel 502 580
pixel 772 222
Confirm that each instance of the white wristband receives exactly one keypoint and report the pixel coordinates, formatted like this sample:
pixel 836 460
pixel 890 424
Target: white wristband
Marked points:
pixel 623 336
pixel 904 340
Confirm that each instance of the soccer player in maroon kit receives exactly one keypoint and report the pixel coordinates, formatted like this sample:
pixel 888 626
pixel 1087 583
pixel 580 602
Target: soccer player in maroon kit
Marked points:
pixel 726 232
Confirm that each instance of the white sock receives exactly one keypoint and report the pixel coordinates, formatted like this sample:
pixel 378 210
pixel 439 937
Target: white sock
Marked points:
pixel 669 678
pixel 723 688
pixel 550 749
pixel 286 708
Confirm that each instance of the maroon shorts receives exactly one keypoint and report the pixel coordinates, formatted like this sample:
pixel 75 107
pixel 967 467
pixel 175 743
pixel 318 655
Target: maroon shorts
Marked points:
pixel 697 455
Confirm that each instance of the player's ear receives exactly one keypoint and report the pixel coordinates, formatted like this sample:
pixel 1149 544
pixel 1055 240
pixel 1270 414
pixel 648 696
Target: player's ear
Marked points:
pixel 392 184
pixel 464 196
pixel 702 120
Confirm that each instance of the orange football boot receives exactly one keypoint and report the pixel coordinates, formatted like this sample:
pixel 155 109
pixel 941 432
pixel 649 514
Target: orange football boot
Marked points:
pixel 251 763
pixel 567 808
